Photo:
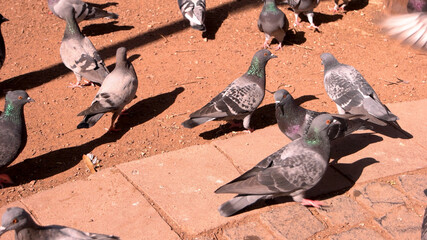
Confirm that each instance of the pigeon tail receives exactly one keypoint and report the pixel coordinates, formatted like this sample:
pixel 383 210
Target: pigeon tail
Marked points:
pixel 238 203
pixel 95 13
pixel 89 121
pixel 194 122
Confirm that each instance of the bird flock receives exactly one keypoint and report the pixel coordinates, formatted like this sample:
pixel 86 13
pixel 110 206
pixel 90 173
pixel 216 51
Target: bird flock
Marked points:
pixel 290 171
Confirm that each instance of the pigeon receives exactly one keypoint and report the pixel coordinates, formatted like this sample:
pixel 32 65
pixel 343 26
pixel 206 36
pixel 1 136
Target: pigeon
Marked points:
pixel 272 22
pixel 424 226
pixel 194 11
pixel 2 46
pixel 79 55
pixel 353 94
pixel 115 93
pixel 239 99
pixel 26 228
pixel 411 27
pixel 294 121
pixel 292 170
pixel 13 132
pixel 83 10
pixel 303 6
pixel 337 7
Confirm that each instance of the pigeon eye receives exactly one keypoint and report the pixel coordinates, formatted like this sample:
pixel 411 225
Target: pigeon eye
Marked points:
pixel 15 220
pixel 20 97
pixel 265 54
pixel 328 122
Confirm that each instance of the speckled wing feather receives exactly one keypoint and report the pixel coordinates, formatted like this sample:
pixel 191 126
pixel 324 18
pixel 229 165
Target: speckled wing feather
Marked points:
pixel 83 10
pixel 65 233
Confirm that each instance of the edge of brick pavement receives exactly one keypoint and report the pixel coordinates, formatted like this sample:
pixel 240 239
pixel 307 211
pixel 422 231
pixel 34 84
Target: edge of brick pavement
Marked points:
pixel 121 181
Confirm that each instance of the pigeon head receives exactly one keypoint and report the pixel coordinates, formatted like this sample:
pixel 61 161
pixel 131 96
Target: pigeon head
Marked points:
pixel 3 19
pixel 15 218
pixel 322 123
pixel 18 98
pixel 328 60
pixel 259 61
pixel 282 96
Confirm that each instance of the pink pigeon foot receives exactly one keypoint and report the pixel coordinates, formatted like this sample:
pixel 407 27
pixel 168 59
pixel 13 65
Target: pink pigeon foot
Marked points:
pixel 4 178
pixel 75 85
pixel 313 26
pixel 279 47
pixel 124 112
pixel 314 203
pixel 250 130
pixel 113 129
pixel 234 124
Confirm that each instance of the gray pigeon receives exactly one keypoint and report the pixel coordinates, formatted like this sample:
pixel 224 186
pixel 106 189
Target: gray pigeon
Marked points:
pixel 239 99
pixel 194 11
pixel 303 6
pixel 353 94
pixel 82 10
pixel 294 121
pixel 115 93
pixel 292 170
pixel 13 131
pixel 79 55
pixel 26 228
pixel 2 46
pixel 409 28
pixel 272 22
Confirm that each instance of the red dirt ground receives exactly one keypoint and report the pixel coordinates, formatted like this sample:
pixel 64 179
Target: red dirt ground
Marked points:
pixel 178 73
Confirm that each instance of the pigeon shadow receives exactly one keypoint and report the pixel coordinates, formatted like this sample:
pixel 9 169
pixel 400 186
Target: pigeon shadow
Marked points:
pixel 321 18
pixel 103 5
pixel 325 189
pixel 293 37
pixel 60 160
pixel 390 131
pixel 213 22
pixel 354 5
pixel 351 144
pixel 103 28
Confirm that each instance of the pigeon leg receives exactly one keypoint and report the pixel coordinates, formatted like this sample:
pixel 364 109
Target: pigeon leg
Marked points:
pixel 77 84
pixel 124 112
pixel 4 178
pixel 296 23
pixel 113 119
pixel 265 45
pixel 314 203
pixel 310 19
pixel 279 47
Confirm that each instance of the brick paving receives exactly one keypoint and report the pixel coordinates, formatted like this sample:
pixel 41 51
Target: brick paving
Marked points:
pixel 375 188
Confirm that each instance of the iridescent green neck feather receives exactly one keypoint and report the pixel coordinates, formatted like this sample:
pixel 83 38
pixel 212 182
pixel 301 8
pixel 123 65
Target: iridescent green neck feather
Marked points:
pixel 12 113
pixel 271 7
pixel 256 68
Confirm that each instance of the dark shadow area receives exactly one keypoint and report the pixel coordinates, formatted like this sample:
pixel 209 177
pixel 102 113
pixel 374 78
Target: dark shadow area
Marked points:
pixel 39 77
pixel 103 5
pixel 60 160
pixel 322 190
pixel 292 37
pixel 213 22
pixel 390 131
pixel 103 28
pixel 355 169
pixel 351 144
pixel 354 5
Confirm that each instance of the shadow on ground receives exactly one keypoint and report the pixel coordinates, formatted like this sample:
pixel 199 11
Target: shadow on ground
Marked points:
pixel 104 28
pixel 60 160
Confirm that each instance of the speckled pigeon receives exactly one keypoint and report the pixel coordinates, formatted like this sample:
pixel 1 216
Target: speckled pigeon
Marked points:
pixel 294 121
pixel 2 46
pixel 194 11
pixel 239 99
pixel 353 94
pixel 272 22
pixel 13 131
pixel 26 228
pixel 292 170
pixel 79 55
pixel 409 28
pixel 115 93
pixel 303 6
pixel 83 10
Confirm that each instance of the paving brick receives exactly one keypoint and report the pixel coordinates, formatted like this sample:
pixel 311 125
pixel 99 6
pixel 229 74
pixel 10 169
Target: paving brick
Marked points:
pixel 248 231
pixel 402 223
pixel 415 186
pixel 394 155
pixel 411 114
pixel 356 234
pixel 292 221
pixel 105 203
pixel 379 196
pixel 11 234
pixel 342 210
pixel 249 149
pixel 182 183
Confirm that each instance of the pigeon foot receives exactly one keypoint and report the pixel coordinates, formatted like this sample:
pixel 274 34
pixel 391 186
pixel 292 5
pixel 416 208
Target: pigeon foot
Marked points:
pixel 313 203
pixel 4 178
pixel 313 26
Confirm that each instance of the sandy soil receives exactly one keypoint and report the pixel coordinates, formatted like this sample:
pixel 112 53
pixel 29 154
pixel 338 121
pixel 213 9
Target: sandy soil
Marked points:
pixel 178 72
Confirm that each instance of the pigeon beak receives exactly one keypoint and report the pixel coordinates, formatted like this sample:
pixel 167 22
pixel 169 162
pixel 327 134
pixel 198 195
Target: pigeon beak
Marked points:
pixel 30 99
pixel 273 56
pixel 2 230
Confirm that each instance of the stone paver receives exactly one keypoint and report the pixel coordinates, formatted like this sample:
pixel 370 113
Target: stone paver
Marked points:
pixel 402 223
pixel 248 231
pixel 342 210
pixel 292 221
pixel 182 183
pixel 415 186
pixel 379 197
pixel 11 234
pixel 356 234
pixel 106 203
